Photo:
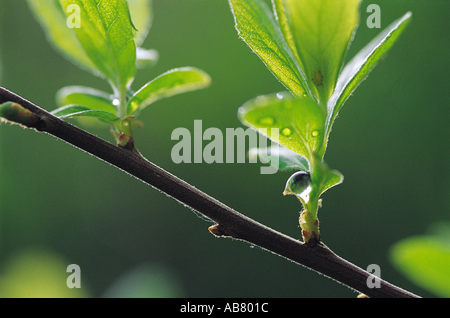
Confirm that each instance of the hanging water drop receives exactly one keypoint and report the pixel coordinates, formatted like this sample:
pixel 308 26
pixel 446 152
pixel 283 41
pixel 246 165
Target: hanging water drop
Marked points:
pixel 299 184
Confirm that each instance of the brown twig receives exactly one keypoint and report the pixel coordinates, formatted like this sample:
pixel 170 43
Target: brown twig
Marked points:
pixel 230 223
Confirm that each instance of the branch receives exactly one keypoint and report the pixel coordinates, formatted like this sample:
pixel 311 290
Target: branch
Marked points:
pixel 230 223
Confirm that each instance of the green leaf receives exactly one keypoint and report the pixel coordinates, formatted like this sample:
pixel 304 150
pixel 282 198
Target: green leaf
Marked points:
pixel 425 260
pixel 53 20
pixel 50 14
pixel 323 177
pixel 89 97
pixel 287 159
pixel 256 25
pixel 142 16
pixel 283 23
pixel 77 110
pixel 171 83
pixel 107 36
pixel 322 31
pixel 300 122
pixel 360 66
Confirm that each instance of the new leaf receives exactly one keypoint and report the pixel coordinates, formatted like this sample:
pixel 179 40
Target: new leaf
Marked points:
pixel 257 26
pixel 359 67
pixel 299 122
pixel 173 82
pixel 107 36
pixel 319 33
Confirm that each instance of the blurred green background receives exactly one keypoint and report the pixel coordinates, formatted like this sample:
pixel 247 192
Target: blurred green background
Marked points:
pixel 60 206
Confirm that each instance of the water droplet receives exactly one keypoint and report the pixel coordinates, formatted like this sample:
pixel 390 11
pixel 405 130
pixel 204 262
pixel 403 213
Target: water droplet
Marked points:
pixel 280 96
pixel 266 121
pixel 315 133
pixel 299 184
pixel 304 195
pixel 301 179
pixel 116 102
pixel 286 132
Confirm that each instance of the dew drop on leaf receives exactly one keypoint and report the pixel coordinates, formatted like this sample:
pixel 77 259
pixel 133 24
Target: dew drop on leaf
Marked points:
pixel 315 133
pixel 286 132
pixel 266 121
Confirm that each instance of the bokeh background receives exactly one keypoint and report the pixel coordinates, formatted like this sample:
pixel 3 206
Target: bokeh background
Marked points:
pixel 60 206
